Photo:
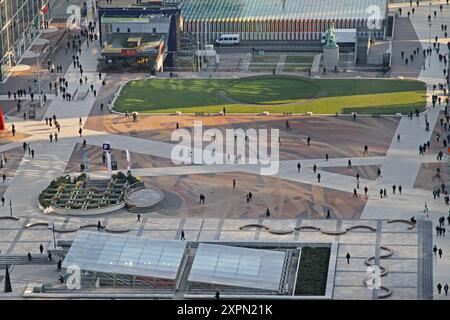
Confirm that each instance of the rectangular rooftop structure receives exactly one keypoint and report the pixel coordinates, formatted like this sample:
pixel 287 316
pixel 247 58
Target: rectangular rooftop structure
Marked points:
pixel 232 10
pixel 238 267
pixel 128 255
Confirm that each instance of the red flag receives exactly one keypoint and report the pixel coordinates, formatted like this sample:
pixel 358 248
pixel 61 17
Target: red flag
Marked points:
pixel 44 9
pixel 2 121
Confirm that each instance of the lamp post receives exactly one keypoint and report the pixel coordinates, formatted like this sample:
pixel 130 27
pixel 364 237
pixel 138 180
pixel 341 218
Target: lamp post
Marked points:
pixel 51 225
pixel 10 208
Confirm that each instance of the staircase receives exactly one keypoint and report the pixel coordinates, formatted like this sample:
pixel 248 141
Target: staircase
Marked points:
pixel 169 205
pixel 23 260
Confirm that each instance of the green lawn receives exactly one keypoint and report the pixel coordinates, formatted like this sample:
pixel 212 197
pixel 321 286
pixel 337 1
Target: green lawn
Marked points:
pixel 312 272
pixel 280 94
pixel 298 63
pixel 263 62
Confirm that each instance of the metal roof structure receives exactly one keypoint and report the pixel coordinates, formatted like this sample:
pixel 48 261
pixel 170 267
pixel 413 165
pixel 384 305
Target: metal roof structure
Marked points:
pixel 235 10
pixel 238 266
pixel 130 255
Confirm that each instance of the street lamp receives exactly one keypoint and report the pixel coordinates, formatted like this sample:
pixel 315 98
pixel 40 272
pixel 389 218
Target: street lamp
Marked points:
pixel 51 226
pixel 10 208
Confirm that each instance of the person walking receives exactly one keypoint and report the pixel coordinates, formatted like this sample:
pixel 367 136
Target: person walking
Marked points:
pixel 99 225
pixel 56 137
pixel 379 173
pixel 446 289
pixel 32 153
pixel 50 136
pixel 366 190
pixel 328 214
pixel 80 131
pixel 182 235
pixel 234 184
pixel 348 257
pixel 439 287
pixel 3 201
pixel 41 248
pixel 400 189
pixel 318 177
pixel 440 253
pixel 299 167
pixel 435 249
pixel 267 213
pixel 138 217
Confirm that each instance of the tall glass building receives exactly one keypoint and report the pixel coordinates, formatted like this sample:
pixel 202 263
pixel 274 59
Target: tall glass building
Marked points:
pixel 17 32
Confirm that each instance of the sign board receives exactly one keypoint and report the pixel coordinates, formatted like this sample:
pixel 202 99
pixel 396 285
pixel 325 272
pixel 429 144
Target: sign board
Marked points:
pixel 106 147
pixel 31 114
pixel 128 53
pixel 113 164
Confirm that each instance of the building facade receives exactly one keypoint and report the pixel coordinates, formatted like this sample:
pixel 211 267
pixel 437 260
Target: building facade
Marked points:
pixel 282 20
pixel 17 18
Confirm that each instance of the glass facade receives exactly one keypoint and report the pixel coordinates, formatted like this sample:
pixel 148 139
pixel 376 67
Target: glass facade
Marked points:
pixel 127 255
pixel 237 266
pixel 276 19
pixel 16 29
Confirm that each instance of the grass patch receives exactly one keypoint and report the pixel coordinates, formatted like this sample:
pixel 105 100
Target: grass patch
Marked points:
pixel 277 94
pixel 313 272
pixel 263 62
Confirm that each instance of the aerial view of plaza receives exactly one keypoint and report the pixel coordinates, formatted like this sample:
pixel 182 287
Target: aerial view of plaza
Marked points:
pixel 224 149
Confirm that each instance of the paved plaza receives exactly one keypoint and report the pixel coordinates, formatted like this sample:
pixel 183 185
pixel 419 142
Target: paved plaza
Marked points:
pixel 294 198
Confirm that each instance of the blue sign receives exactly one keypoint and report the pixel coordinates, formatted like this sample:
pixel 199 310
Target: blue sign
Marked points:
pixel 106 147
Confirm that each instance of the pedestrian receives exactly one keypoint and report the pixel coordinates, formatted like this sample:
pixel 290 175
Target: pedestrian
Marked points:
pixel 80 121
pixel 3 201
pixel 29 257
pixel 41 248
pixel 49 256
pixel 308 141
pixel 32 153
pixel 182 235
pixel 394 187
pixel 398 137
pixel 348 257
pixel 234 183
pixel 56 137
pixel 84 143
pixel 379 173
pixel 51 137
pixel 440 253
pixel 439 287
pixel 80 131
pixel 355 194
pixel 366 150
pixel 139 217
pixel 366 190
pixel 400 189
pixel 328 214
pixel 349 164
pixel 446 289
pixel 299 166
pixel 381 193
pixel 435 249
pixel 99 225
pixel 267 213
pixel 318 177
pixel 385 193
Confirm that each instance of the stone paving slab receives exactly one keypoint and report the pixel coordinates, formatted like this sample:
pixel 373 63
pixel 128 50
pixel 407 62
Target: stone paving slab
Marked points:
pixel 398 239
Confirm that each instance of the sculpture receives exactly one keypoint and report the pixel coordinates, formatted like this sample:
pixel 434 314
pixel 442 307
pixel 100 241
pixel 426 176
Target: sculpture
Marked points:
pixel 330 37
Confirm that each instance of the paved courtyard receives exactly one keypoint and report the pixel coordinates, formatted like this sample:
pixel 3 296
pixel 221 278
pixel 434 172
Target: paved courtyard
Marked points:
pixel 293 198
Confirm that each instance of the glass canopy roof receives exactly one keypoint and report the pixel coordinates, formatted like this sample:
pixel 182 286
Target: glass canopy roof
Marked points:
pixel 111 253
pixel 280 9
pixel 237 266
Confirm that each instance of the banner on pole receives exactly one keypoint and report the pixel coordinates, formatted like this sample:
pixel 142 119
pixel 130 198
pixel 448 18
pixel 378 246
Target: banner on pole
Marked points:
pixel 128 160
pixel 108 158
